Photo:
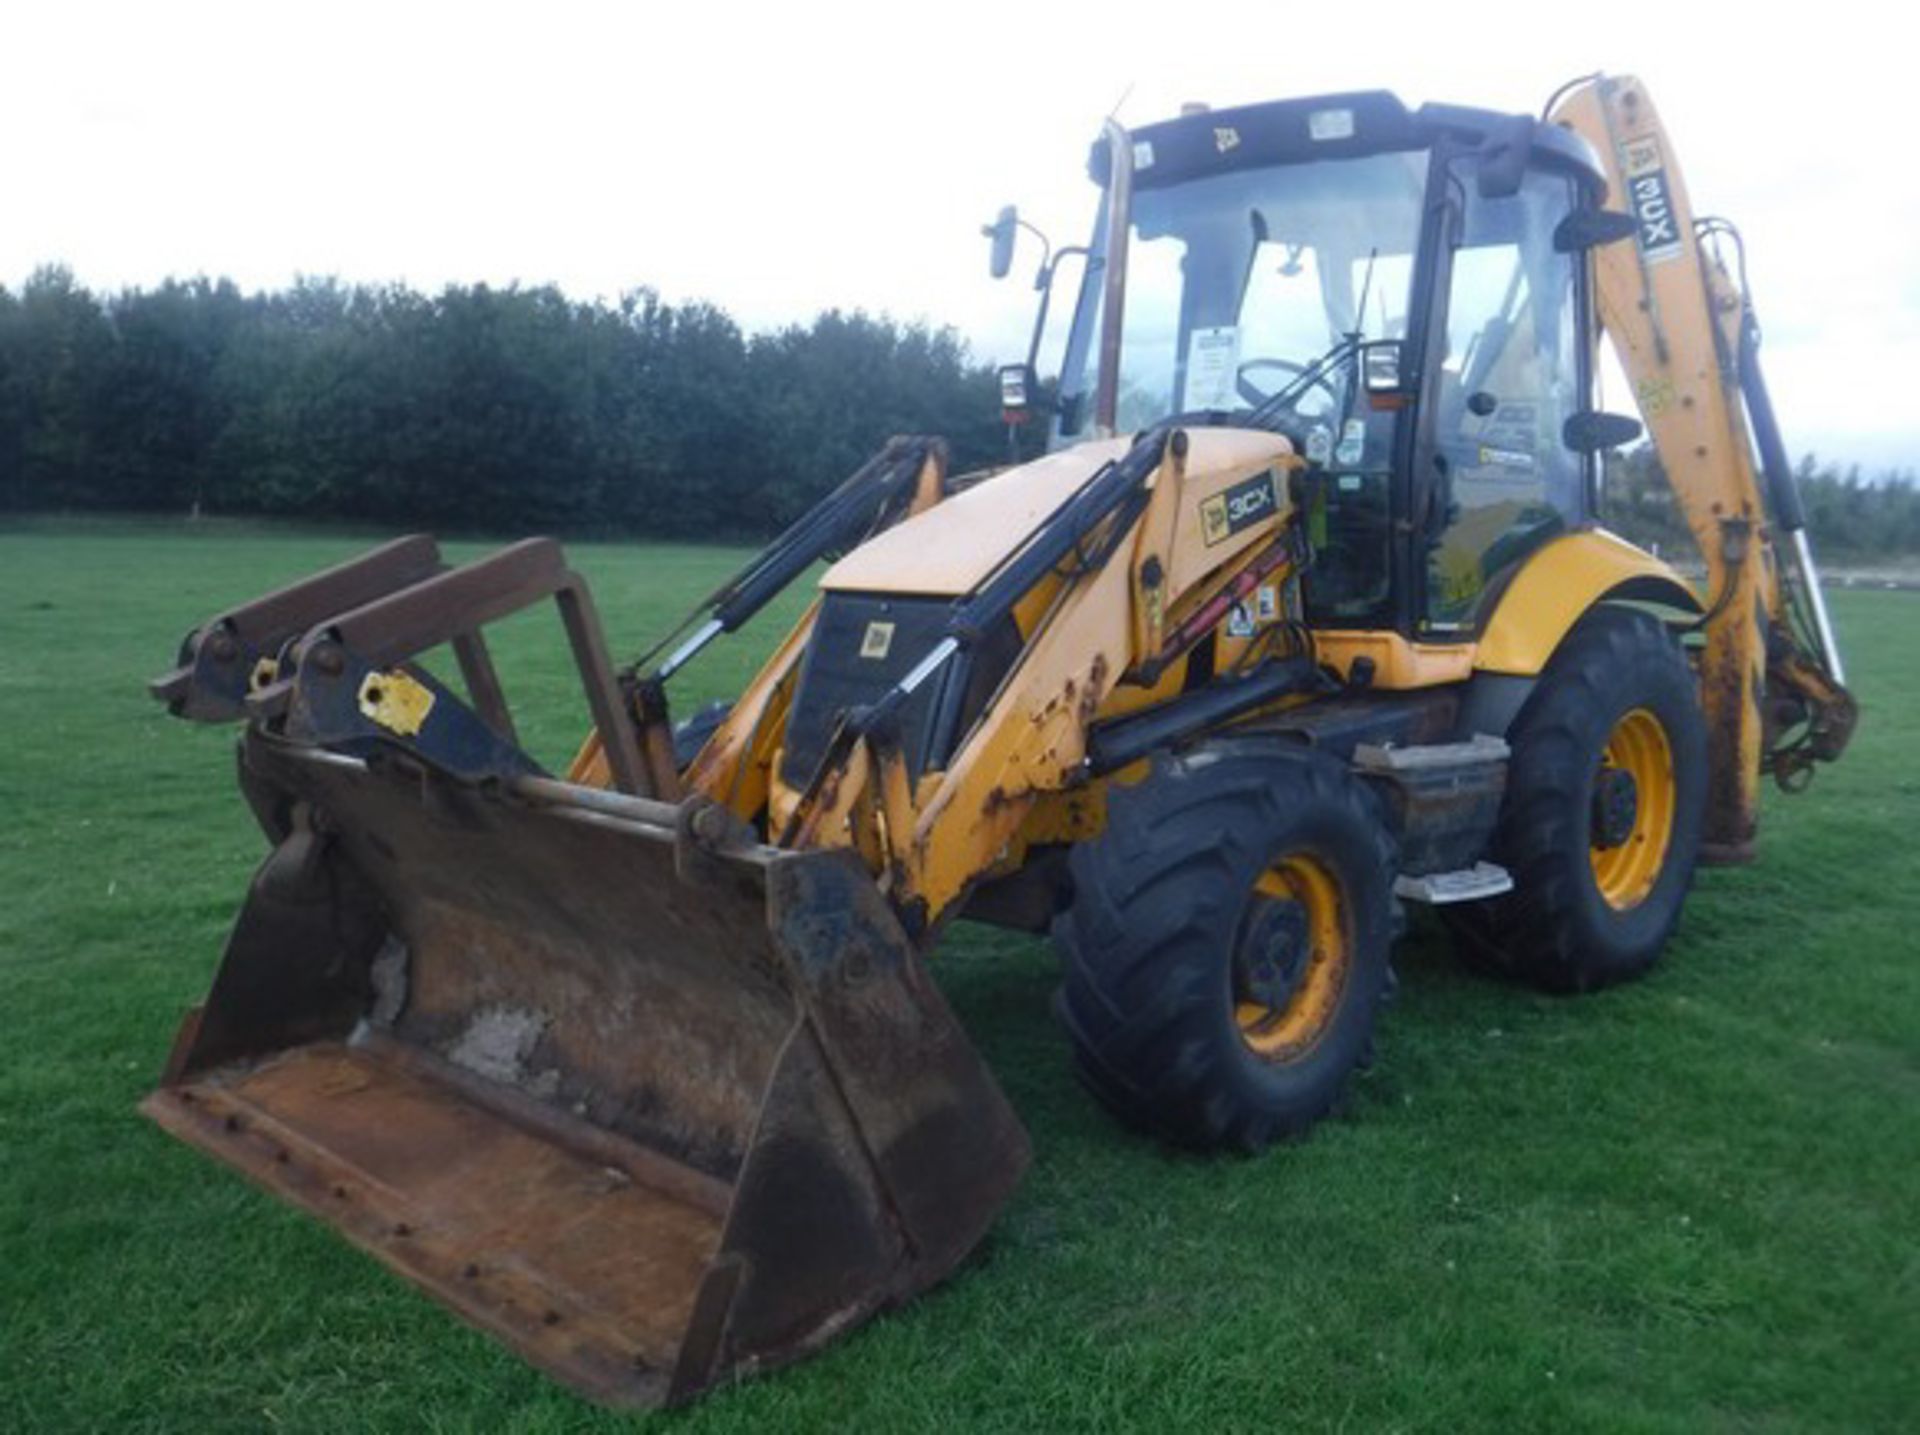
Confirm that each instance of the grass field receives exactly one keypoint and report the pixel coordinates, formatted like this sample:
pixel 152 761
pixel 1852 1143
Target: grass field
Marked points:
pixel 1693 1203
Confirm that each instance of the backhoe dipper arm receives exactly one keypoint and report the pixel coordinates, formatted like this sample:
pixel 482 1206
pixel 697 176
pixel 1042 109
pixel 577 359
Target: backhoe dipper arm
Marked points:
pixel 1685 336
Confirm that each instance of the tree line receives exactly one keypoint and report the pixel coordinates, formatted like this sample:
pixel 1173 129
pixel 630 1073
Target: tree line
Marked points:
pixel 479 407
pixel 507 409
pixel 1850 515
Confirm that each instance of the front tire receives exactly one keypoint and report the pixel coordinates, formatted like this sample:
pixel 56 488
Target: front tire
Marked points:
pixel 1226 945
pixel 1600 827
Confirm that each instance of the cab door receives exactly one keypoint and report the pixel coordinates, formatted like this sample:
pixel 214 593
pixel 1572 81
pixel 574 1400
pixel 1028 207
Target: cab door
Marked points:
pixel 1507 371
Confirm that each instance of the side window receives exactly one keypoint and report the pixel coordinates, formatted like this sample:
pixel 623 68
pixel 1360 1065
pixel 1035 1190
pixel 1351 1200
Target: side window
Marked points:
pixel 1074 419
pixel 1151 383
pixel 1506 387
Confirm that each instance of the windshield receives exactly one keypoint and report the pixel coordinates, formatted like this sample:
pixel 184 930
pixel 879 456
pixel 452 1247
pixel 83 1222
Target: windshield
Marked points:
pixel 1237 283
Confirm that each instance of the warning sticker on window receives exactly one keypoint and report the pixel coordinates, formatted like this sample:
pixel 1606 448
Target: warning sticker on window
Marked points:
pixel 1213 361
pixel 1353 442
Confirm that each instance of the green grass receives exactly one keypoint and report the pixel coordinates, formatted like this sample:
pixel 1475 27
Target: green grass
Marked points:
pixel 1691 1203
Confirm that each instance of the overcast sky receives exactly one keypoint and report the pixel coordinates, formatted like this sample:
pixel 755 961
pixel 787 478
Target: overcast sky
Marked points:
pixel 782 160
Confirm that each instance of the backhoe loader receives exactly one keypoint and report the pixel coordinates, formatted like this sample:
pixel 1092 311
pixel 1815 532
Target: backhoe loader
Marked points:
pixel 1304 615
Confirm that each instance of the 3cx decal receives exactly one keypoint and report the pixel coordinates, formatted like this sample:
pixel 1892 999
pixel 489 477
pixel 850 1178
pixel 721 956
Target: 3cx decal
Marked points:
pixel 1248 501
pixel 1652 200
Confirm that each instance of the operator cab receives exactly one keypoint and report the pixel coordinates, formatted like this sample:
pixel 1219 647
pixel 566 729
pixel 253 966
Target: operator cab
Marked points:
pixel 1399 292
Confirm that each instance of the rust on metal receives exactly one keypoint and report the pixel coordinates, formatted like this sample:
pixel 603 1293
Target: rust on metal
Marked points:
pixel 1089 701
pixel 220 659
pixel 652 1103
pixel 450 607
pixel 586 1269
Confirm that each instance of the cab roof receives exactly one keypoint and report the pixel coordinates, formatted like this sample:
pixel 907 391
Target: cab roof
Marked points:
pixel 1359 122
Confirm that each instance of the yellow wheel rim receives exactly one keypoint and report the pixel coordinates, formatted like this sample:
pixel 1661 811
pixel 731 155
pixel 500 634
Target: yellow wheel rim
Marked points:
pixel 1277 1032
pixel 1626 871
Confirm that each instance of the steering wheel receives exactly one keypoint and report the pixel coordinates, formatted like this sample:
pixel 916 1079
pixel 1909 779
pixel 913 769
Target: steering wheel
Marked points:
pixel 1290 372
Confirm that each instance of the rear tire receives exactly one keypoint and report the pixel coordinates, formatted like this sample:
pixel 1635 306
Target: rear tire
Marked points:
pixel 1226 945
pixel 1601 863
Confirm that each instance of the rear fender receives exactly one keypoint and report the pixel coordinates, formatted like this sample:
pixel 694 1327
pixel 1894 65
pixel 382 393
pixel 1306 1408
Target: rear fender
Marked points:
pixel 1557 586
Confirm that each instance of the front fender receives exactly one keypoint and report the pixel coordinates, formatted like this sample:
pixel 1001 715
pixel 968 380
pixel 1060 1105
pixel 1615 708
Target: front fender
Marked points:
pixel 1558 584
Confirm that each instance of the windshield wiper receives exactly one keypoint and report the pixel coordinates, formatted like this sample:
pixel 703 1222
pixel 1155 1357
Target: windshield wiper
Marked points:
pixel 1290 393
pixel 1315 373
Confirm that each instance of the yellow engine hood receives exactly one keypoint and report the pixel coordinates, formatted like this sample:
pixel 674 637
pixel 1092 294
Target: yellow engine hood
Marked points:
pixel 953 545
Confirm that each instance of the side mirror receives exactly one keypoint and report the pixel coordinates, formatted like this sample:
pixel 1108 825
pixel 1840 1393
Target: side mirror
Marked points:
pixel 1591 431
pixel 1016 393
pixel 1001 232
pixel 1383 374
pixel 1381 369
pixel 1585 229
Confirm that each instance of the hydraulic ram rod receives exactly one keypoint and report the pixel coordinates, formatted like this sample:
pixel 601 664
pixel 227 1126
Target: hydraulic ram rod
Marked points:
pixel 1783 492
pixel 1101 497
pixel 836 521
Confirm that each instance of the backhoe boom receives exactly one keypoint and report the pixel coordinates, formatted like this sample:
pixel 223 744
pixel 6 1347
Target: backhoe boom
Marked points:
pixel 1687 338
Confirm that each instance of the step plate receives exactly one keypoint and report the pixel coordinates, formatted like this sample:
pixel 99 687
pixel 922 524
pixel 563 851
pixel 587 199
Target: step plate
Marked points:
pixel 1469 884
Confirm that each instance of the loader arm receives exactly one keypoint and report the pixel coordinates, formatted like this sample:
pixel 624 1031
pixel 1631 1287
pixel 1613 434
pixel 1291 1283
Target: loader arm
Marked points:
pixel 1108 589
pixel 1685 333
pixel 640 1071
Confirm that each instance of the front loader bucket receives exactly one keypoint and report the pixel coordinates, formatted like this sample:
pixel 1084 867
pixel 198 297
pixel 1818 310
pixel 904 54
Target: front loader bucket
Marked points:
pixel 652 1103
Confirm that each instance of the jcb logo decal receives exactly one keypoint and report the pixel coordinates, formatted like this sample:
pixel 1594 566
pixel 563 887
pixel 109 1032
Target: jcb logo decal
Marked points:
pixel 1213 520
pixel 1248 501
